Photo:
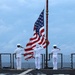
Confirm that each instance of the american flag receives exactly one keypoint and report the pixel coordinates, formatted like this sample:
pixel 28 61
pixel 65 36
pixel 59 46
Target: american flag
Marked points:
pixel 38 37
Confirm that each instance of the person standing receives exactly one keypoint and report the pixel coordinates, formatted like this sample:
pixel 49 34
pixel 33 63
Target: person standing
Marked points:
pixel 37 55
pixel 54 53
pixel 18 53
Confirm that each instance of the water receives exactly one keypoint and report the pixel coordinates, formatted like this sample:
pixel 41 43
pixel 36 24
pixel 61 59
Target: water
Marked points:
pixel 27 65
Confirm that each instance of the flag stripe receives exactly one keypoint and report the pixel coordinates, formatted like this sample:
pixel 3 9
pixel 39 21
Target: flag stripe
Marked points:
pixel 28 53
pixel 29 57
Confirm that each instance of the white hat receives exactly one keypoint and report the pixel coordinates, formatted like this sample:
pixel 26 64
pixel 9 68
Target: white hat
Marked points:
pixel 18 44
pixel 54 45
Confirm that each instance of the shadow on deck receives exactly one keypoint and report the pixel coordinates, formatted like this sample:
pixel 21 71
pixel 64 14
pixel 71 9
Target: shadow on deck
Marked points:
pixel 39 72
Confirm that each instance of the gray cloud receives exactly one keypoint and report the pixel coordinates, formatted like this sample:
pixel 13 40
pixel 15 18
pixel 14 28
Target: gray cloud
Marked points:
pixel 17 18
pixel 4 29
pixel 67 49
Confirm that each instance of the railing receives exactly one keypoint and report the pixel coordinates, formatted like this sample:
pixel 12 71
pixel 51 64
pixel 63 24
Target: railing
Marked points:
pixel 72 62
pixel 0 61
pixel 12 56
pixel 50 56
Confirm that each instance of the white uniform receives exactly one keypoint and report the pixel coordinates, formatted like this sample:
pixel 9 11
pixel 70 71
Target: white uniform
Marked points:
pixel 37 55
pixel 55 53
pixel 18 52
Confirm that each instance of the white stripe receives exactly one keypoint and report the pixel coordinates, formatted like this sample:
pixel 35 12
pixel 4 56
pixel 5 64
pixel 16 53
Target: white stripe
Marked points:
pixel 29 51
pixel 25 72
pixel 43 33
pixel 27 56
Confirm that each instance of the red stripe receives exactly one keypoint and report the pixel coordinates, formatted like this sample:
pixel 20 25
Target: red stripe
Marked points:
pixel 29 44
pixel 41 40
pixel 28 49
pixel 28 53
pixel 36 41
pixel 33 38
pixel 42 31
pixel 29 57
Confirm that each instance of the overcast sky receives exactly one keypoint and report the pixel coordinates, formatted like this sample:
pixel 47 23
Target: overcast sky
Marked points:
pixel 17 18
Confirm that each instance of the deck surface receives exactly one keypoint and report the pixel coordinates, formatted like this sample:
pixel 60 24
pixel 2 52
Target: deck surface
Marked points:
pixel 37 72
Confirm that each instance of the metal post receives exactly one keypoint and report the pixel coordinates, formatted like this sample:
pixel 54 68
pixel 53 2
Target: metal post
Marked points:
pixel 46 34
pixel 0 62
pixel 42 60
pixel 13 61
pixel 72 61
pixel 61 60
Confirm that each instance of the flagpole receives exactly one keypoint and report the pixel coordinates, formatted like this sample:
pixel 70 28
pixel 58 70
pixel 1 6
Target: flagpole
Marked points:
pixel 46 66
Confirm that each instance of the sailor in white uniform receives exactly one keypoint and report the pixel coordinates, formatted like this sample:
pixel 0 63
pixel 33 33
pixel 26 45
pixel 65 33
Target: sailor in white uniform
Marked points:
pixel 54 52
pixel 18 51
pixel 37 55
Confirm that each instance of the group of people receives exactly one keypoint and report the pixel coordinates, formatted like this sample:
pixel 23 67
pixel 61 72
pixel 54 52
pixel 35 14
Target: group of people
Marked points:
pixel 37 55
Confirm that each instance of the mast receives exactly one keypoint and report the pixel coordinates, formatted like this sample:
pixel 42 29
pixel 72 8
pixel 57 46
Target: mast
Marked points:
pixel 46 34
